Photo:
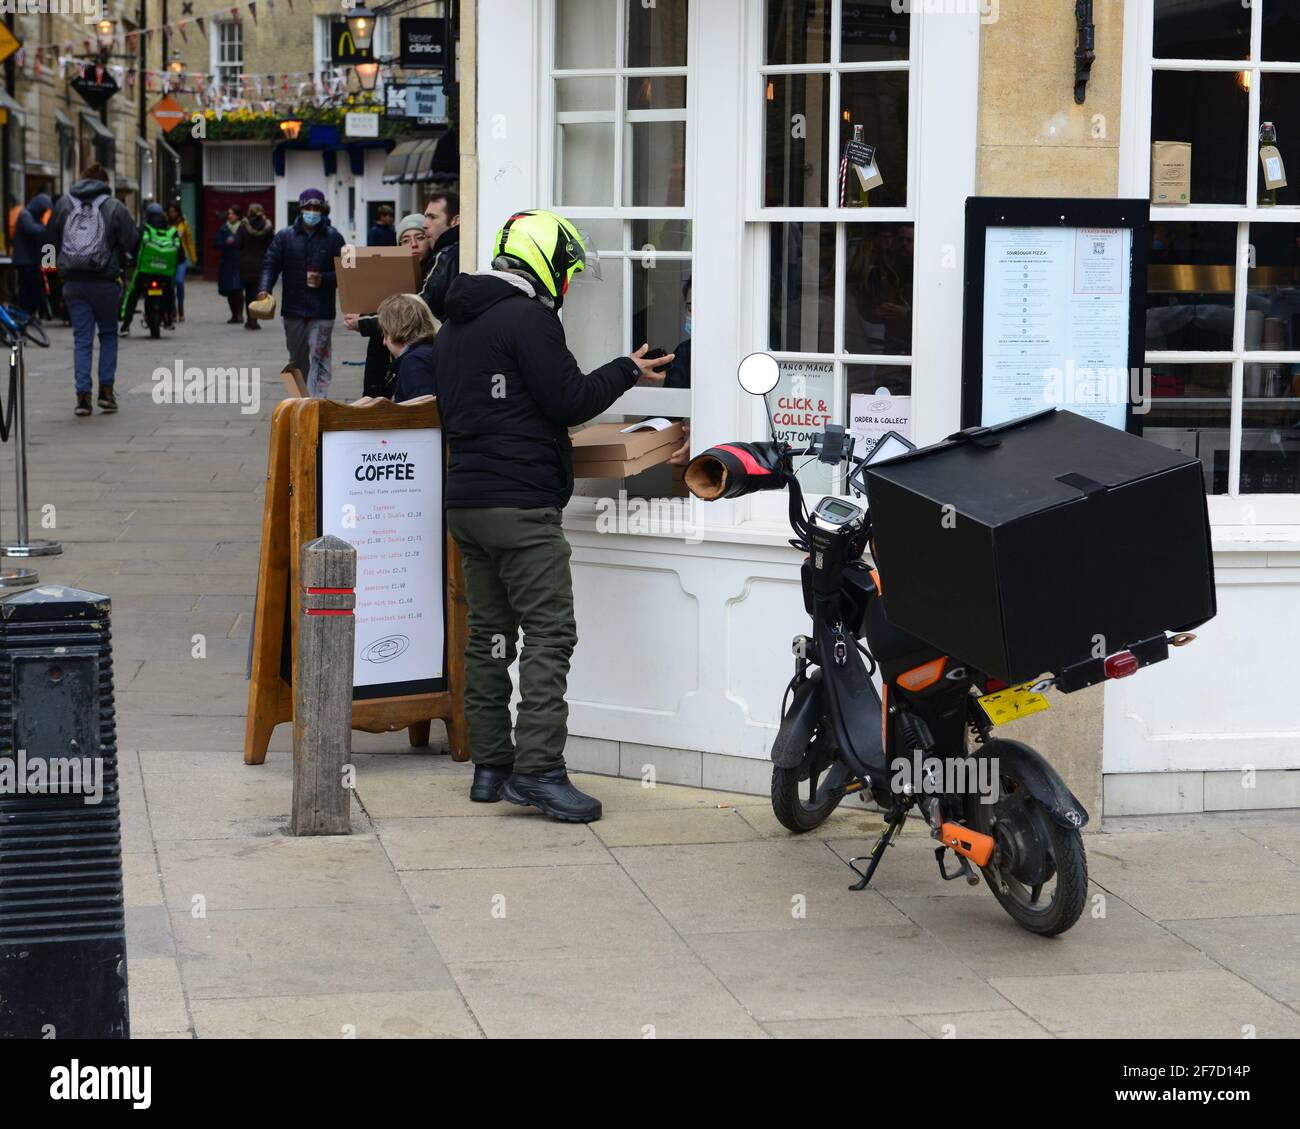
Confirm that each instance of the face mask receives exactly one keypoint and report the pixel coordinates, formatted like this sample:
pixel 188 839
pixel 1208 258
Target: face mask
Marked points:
pixel 686 327
pixel 311 219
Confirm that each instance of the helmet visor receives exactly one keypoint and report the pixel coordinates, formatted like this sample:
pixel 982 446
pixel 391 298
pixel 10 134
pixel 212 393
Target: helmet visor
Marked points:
pixel 588 256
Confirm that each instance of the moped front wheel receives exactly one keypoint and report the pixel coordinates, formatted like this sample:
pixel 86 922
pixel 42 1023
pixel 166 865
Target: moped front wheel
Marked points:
pixel 803 797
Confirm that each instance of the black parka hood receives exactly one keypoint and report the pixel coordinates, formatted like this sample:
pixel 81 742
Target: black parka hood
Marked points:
pixel 89 189
pixel 472 295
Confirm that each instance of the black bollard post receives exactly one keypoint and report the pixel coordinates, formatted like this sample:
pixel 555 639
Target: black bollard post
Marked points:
pixel 62 927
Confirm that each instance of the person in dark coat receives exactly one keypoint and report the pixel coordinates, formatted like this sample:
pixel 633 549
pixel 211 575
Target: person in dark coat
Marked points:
pixel 29 237
pixel 442 230
pixel 304 254
pixel 229 283
pixel 379 362
pixel 408 333
pixel 252 240
pixel 381 232
pixel 508 392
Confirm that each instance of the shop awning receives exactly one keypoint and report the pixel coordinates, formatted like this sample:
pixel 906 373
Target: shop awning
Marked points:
pixel 97 126
pixel 422 159
pixel 175 156
pixel 12 107
pixel 61 119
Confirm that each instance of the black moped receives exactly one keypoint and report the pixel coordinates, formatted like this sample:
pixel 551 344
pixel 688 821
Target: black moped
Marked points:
pixel 922 743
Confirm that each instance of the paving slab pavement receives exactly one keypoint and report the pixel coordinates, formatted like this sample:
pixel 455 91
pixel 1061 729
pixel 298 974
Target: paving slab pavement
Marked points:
pixel 684 912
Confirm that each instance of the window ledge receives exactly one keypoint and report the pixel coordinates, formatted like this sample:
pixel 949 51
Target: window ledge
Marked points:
pixel 1255 538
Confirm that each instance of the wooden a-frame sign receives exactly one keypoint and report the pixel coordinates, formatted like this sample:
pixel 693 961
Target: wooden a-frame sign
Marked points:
pixel 291 517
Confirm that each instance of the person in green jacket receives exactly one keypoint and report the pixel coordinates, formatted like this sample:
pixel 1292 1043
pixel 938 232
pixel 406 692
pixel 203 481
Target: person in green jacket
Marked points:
pixel 158 254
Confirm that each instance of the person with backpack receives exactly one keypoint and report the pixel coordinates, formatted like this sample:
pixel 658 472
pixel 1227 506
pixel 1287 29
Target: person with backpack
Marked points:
pixel 94 238
pixel 159 255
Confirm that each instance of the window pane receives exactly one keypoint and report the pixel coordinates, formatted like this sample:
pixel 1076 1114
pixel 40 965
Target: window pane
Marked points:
pixel 1210 111
pixel 1190 285
pixel 664 235
pixel 1273 291
pixel 593 318
pixel 1190 410
pixel 803 287
pixel 878 103
pixel 878 288
pixel 584 164
pixel 798 31
pixel 607 235
pixel 873 30
pixel 655 165
pixel 1279 99
pixel 1202 29
pixel 656 35
pixel 794 151
pixel 1281 31
pixel 656 93
pixel 1270 445
pixel 584 33
pixel 585 94
pixel 659 308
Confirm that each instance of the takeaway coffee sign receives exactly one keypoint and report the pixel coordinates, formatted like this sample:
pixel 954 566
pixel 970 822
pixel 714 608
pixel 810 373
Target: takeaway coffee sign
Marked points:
pixel 95 85
pixel 424 43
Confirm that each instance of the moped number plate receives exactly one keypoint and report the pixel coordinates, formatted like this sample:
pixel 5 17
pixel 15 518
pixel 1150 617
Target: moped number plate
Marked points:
pixel 1012 703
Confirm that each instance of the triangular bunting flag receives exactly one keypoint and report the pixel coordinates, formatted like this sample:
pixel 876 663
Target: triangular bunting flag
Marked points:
pixel 252 9
pixel 202 21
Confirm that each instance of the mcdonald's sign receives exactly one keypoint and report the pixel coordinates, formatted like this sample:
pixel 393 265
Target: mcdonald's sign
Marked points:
pixel 343 51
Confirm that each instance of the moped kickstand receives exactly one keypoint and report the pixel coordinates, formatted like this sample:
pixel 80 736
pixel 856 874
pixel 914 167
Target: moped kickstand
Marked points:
pixel 972 879
pixel 894 820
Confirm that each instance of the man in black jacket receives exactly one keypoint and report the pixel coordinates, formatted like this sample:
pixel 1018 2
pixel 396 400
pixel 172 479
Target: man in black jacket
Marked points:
pixel 508 391
pixel 442 230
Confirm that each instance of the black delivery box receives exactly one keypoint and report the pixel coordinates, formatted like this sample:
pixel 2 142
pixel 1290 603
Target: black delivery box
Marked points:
pixel 1024 548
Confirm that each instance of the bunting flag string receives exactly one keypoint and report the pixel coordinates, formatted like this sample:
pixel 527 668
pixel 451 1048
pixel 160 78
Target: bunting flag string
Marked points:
pixel 129 39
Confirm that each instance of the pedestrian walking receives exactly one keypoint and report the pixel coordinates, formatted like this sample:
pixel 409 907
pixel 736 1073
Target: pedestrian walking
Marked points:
pixel 189 254
pixel 508 391
pixel 29 238
pixel 94 237
pixel 442 230
pixel 252 239
pixel 303 253
pixel 229 284
pixel 381 231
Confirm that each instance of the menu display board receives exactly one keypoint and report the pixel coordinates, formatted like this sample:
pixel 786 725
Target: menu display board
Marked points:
pixel 381 491
pixel 1055 309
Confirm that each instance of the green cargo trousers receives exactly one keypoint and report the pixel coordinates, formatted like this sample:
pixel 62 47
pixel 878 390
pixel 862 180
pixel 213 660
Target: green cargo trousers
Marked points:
pixel 516 576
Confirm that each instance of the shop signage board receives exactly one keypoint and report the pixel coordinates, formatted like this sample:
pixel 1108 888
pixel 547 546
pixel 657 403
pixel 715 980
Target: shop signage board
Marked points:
pixel 423 101
pixel 96 86
pixel 371 474
pixel 343 48
pixel 1055 308
pixel 361 124
pixel 872 417
pixel 381 491
pixel 802 404
pixel 423 43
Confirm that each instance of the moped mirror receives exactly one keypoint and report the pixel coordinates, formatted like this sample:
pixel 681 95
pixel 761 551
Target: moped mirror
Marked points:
pixel 758 373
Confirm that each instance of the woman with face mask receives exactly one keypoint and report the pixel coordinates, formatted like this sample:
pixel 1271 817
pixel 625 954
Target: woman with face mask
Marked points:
pixel 303 253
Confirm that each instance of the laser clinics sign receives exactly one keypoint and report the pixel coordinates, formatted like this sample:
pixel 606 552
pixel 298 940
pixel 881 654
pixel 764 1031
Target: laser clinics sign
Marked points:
pixel 381 491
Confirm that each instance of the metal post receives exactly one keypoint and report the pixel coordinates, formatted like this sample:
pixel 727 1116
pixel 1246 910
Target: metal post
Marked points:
pixel 322 688
pixel 16 577
pixel 23 547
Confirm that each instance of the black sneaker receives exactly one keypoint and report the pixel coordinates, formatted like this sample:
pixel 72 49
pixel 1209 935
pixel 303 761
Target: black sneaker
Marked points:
pixel 488 779
pixel 107 401
pixel 552 793
pixel 125 331
pixel 83 404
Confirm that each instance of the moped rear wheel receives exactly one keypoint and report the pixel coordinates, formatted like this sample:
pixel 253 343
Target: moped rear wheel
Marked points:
pixel 803 797
pixel 1039 872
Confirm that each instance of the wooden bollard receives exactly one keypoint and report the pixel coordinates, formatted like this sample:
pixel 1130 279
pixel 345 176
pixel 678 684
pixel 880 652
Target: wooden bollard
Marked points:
pixel 322 691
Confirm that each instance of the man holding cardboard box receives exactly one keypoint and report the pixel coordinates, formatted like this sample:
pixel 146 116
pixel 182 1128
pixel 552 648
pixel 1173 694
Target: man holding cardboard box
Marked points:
pixel 508 391
pixel 303 254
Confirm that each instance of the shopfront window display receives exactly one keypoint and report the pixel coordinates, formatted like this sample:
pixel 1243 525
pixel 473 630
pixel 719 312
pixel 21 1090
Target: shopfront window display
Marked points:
pixel 1223 307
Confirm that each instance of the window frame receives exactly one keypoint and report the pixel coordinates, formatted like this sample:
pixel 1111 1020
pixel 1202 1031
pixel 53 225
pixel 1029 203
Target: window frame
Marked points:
pixel 1249 511
pixel 759 220
pixel 219 67
pixel 639 400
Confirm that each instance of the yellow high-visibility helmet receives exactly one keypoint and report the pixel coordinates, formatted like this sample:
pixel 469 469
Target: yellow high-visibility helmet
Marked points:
pixel 551 248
